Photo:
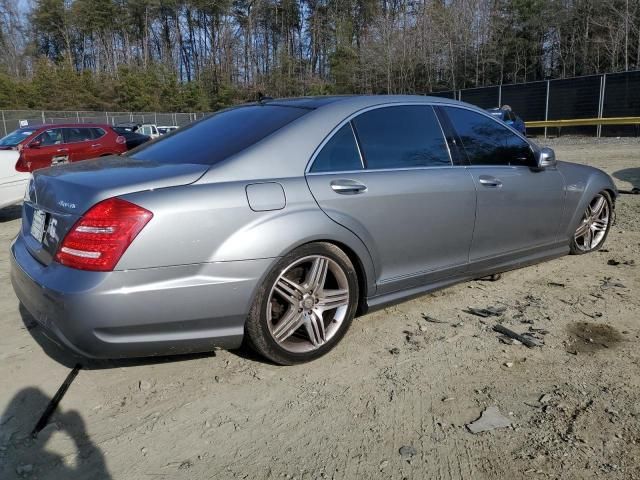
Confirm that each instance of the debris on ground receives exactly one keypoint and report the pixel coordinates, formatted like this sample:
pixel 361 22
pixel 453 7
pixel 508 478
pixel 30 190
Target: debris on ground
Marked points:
pixel 431 319
pixel 394 351
pixel 490 419
pixel 407 451
pixel 606 283
pixel 525 339
pixel 509 341
pixel 491 278
pixel 486 312
pixel 614 263
pixel 556 284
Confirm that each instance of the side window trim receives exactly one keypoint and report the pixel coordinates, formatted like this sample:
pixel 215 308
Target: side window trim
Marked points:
pixel 454 144
pixel 356 138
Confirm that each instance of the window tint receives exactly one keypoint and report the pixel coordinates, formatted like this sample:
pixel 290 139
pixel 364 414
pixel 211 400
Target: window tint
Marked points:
pixel 75 134
pixel 52 136
pixel 339 154
pixel 488 142
pixel 219 136
pixel 97 133
pixel 403 136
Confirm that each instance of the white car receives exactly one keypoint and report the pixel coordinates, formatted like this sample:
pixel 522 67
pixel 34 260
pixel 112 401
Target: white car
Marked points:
pixel 12 182
pixel 149 129
pixel 164 129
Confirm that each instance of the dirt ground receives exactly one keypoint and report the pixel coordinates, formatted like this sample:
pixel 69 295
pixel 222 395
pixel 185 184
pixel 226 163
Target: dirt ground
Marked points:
pixel 396 380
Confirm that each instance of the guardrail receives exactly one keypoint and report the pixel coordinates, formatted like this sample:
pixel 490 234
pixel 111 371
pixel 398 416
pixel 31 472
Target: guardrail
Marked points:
pixel 585 122
pixel 581 122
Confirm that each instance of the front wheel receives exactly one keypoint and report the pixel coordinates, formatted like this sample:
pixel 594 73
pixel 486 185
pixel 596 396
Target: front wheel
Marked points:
pixel 305 305
pixel 594 226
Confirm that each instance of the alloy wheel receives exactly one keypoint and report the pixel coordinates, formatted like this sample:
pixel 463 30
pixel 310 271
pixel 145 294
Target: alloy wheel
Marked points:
pixel 593 228
pixel 308 303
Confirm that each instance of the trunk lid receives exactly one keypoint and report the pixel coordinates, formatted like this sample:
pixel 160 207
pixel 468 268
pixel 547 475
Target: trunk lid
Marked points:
pixel 59 196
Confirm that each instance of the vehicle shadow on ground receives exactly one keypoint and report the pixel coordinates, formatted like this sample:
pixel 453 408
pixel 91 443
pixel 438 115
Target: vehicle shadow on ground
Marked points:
pixel 631 175
pixel 26 455
pixel 8 214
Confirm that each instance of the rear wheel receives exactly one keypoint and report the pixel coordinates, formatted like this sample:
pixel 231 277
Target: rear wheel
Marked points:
pixel 305 306
pixel 594 226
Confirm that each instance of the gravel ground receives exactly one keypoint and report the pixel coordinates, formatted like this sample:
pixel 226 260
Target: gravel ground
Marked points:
pixel 392 401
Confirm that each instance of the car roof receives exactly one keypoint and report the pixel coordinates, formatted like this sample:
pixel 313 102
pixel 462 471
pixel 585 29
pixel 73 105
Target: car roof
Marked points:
pixel 361 101
pixel 306 134
pixel 67 125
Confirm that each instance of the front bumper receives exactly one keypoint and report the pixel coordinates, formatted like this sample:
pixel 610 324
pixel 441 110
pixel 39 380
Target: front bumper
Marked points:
pixel 138 313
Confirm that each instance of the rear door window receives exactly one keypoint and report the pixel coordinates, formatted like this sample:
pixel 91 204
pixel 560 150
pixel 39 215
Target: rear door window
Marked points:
pixel 339 154
pixel 214 138
pixel 401 137
pixel 97 132
pixel 488 142
pixel 76 134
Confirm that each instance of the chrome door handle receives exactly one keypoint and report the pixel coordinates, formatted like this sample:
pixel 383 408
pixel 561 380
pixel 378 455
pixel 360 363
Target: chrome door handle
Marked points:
pixel 348 187
pixel 96 145
pixel 491 182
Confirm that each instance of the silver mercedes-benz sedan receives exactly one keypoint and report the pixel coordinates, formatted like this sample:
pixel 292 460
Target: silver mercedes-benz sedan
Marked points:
pixel 278 222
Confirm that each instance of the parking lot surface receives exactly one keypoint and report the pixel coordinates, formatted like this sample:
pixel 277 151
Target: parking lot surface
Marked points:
pixel 393 399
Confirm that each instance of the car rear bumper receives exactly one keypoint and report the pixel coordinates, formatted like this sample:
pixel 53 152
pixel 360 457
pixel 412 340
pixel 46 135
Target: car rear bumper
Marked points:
pixel 138 313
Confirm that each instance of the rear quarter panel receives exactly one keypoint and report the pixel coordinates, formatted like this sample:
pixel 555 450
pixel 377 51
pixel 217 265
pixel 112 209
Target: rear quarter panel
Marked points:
pixel 212 222
pixel 582 183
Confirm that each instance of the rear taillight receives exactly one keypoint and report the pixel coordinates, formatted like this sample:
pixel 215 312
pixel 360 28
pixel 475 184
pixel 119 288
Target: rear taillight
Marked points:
pixel 98 240
pixel 120 140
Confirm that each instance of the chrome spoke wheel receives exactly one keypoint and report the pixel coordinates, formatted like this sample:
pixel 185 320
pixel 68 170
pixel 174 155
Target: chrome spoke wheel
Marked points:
pixel 308 303
pixel 593 227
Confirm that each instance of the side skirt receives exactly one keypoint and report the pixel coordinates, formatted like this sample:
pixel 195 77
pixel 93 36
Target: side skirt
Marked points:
pixel 378 302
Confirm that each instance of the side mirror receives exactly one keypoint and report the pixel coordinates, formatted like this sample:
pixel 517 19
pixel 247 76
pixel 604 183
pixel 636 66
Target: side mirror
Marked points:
pixel 35 144
pixel 546 158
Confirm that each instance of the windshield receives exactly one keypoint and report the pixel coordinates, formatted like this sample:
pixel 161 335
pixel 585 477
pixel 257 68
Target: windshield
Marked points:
pixel 214 138
pixel 14 138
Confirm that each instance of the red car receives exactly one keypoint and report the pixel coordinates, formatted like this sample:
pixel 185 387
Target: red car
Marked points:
pixel 46 145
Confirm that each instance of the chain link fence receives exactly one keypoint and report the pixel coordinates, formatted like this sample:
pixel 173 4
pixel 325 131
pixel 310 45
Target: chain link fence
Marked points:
pixel 593 96
pixel 11 119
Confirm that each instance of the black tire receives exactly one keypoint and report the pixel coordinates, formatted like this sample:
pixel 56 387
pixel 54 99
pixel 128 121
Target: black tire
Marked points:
pixel 256 329
pixel 573 245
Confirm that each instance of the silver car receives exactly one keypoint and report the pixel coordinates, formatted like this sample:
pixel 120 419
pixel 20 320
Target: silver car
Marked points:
pixel 278 222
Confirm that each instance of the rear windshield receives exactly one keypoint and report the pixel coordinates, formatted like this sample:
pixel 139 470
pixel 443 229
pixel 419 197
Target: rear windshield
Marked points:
pixel 219 136
pixel 15 137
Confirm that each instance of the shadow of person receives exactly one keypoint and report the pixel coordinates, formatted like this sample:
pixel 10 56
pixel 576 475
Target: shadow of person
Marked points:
pixel 631 175
pixel 28 456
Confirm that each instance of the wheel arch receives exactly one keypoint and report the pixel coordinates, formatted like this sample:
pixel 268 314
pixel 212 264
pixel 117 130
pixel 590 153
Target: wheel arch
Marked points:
pixel 360 272
pixel 583 183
